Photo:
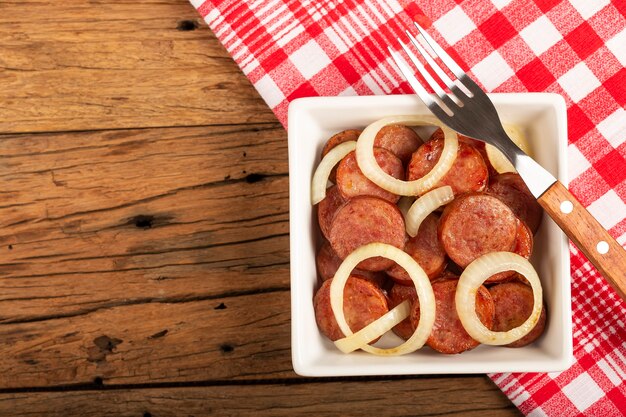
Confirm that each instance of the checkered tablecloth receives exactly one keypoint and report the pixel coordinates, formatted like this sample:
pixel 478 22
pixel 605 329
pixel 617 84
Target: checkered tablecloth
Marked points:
pixel 576 48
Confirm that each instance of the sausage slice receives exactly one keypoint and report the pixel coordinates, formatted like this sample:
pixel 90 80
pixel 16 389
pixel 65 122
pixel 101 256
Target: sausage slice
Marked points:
pixel 328 263
pixel 479 145
pixel 398 294
pixel 448 334
pixel 514 303
pixel 475 224
pixel 426 249
pixel 511 189
pixel 336 139
pixel 400 140
pixel 352 182
pixel 468 172
pixel 523 247
pixel 363 303
pixel 364 220
pixel 327 208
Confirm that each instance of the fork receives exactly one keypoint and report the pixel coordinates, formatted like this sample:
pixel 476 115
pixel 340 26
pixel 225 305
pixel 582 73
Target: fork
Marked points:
pixel 467 110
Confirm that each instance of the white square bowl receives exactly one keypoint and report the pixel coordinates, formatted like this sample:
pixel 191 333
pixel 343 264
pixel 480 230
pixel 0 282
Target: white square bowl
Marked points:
pixel 311 122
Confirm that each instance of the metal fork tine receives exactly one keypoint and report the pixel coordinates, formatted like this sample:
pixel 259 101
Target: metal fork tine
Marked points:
pixel 457 88
pixel 441 73
pixel 443 55
pixel 429 79
pixel 434 106
pixel 445 101
pixel 413 81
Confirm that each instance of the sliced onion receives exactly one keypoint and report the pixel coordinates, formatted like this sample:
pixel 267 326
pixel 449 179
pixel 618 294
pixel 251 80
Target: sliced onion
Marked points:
pixel 375 329
pixel 497 158
pixel 422 286
pixel 370 168
pixel 320 177
pixel 425 205
pixel 472 278
pixel 404 204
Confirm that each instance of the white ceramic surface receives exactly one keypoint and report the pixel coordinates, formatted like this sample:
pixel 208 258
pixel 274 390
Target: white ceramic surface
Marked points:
pixel 311 122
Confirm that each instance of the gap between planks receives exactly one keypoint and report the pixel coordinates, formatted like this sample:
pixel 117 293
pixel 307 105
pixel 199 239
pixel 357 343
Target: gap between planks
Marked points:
pixel 244 127
pixel 412 396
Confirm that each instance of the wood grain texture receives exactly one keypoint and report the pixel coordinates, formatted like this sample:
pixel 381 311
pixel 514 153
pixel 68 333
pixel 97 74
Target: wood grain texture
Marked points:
pixel 153 211
pixel 434 396
pixel 108 64
pixel 227 337
pixel 586 232
pixel 111 238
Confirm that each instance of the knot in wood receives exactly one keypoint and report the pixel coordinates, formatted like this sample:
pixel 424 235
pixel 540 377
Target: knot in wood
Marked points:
pixel 103 346
pixel 187 25
pixel 143 221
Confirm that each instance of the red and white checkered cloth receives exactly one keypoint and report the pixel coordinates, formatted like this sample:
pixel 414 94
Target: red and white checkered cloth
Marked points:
pixel 577 48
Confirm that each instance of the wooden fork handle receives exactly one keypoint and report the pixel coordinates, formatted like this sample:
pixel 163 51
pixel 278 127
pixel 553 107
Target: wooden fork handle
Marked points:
pixel 608 256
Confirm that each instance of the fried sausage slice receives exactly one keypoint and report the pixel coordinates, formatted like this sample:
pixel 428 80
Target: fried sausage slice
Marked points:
pixel 448 334
pixel 475 224
pixel 513 303
pixel 363 303
pixel 336 139
pixel 398 294
pixel 328 263
pixel 468 172
pixel 511 189
pixel 352 182
pixel 364 220
pixel 400 140
pixel 523 247
pixel 327 208
pixel 426 249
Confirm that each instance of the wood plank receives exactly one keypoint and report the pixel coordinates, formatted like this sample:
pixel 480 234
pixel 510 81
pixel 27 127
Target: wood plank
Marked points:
pixel 244 337
pixel 97 219
pixel 109 64
pixel 87 172
pixel 452 396
pixel 119 248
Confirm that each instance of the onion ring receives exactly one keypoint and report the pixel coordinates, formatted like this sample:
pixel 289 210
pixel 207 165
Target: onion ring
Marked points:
pixel 422 286
pixel 320 177
pixel 370 168
pixel 375 329
pixel 425 205
pixel 404 204
pixel 474 275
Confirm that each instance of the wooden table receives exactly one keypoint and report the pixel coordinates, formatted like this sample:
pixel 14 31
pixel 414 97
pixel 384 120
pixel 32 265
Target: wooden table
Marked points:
pixel 144 262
